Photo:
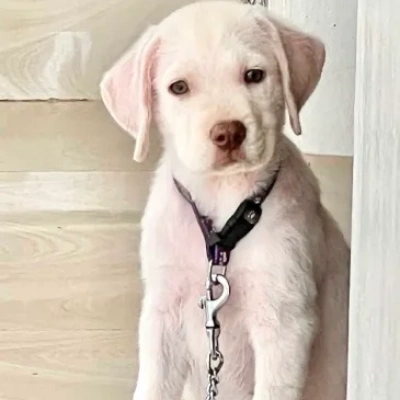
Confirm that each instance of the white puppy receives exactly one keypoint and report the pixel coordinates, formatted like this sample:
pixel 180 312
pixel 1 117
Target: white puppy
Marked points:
pixel 216 78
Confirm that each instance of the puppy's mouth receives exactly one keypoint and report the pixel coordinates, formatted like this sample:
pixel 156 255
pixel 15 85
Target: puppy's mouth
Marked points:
pixel 224 159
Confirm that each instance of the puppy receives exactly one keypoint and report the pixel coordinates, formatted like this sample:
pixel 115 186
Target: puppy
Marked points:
pixel 217 78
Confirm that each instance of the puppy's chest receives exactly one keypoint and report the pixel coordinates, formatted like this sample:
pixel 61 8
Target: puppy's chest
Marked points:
pixel 250 261
pixel 191 271
pixel 178 254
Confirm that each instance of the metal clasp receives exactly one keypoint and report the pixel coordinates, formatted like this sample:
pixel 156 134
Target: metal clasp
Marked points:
pixel 211 303
pixel 211 306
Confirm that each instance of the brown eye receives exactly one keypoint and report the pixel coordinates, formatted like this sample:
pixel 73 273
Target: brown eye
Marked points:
pixel 254 75
pixel 179 87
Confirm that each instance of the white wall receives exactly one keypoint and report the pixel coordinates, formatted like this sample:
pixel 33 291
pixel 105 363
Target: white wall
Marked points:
pixel 374 357
pixel 328 117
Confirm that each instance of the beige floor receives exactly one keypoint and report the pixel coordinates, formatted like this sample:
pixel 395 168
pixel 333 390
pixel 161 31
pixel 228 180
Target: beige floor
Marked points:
pixel 70 201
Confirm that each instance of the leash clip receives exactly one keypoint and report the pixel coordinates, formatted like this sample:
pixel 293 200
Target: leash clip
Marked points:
pixel 212 305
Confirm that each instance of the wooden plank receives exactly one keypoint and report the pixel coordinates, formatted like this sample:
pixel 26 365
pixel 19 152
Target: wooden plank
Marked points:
pixel 127 191
pixel 66 136
pixel 374 359
pixel 70 365
pixel 59 48
pixel 73 191
pixel 335 175
pixel 69 277
pixel 66 219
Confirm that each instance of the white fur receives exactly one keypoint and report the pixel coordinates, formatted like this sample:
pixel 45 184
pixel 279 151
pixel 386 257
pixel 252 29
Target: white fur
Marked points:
pixel 284 328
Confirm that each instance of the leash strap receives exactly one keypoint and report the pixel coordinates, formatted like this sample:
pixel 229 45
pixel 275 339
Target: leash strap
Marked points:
pixel 220 244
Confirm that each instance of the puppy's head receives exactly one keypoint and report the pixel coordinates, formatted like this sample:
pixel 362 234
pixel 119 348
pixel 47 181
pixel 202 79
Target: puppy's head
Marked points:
pixel 216 78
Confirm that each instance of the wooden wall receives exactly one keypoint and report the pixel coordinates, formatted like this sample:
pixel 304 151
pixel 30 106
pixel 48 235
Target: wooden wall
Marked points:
pixel 59 49
pixel 71 199
pixel 70 202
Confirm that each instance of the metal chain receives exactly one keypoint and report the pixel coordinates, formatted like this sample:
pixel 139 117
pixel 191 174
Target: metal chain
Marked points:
pixel 254 2
pixel 214 365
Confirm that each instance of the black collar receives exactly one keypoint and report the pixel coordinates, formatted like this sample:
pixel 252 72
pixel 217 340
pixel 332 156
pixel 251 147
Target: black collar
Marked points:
pixel 220 244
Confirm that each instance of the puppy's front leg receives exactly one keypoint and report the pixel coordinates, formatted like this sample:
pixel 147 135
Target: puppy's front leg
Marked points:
pixel 162 365
pixel 281 355
pixel 282 326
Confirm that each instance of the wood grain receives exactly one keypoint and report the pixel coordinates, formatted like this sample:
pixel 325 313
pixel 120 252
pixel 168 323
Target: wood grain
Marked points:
pixel 69 277
pixel 66 365
pixel 66 136
pixel 60 49
pixel 73 191
pixel 374 359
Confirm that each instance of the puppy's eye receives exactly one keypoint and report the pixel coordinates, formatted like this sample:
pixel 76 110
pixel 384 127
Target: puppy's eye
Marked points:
pixel 255 75
pixel 179 87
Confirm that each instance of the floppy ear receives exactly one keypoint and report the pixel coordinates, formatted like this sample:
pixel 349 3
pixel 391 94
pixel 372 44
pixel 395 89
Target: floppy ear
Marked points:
pixel 126 90
pixel 301 58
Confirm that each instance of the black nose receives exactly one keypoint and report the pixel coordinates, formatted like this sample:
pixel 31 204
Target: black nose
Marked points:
pixel 228 135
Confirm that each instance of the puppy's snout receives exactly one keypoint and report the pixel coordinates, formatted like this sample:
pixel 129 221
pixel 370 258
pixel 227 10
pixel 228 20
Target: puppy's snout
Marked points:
pixel 228 135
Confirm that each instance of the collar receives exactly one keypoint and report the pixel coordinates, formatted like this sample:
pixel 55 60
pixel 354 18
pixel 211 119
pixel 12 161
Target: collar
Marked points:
pixel 220 244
